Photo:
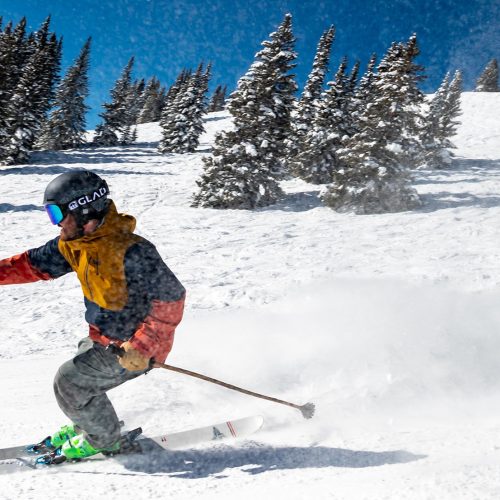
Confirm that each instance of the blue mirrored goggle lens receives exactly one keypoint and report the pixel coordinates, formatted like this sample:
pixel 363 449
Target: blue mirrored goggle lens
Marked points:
pixel 55 213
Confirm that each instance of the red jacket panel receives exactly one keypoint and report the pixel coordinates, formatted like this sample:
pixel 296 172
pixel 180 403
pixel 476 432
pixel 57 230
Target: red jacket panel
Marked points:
pixel 18 270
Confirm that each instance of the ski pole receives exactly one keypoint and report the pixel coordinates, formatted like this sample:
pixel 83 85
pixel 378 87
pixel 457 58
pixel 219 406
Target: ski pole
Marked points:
pixel 307 409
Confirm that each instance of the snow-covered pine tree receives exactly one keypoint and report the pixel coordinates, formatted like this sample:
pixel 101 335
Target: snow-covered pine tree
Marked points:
pixel 65 127
pixel 168 111
pixel 30 101
pixel 431 130
pixel 305 108
pixel 151 110
pixel 376 176
pixel 412 105
pixel 180 83
pixel 203 85
pixel 13 54
pixel 133 105
pixel 24 48
pixel 352 81
pixel 183 120
pixel 23 123
pixel 362 93
pixel 138 97
pixel 5 83
pixel 116 115
pixel 218 99
pixel 247 163
pixel 318 160
pixel 488 80
pixel 441 122
pixel 451 111
pixel 162 99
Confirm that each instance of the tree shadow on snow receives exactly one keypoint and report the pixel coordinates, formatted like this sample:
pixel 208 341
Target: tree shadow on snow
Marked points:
pixel 295 202
pixel 91 156
pixel 462 171
pixel 48 169
pixel 255 459
pixel 8 207
pixel 445 199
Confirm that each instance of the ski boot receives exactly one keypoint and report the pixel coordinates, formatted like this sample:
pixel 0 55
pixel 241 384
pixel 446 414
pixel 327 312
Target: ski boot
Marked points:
pixel 75 448
pixel 51 443
pixel 79 447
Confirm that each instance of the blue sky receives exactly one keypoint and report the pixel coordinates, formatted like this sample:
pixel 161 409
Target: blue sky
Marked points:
pixel 167 35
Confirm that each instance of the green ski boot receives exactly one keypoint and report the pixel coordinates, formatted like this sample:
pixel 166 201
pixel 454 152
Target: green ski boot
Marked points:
pixel 79 447
pixel 51 443
pixel 63 434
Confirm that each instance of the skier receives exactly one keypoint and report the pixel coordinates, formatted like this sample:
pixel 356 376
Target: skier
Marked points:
pixel 133 301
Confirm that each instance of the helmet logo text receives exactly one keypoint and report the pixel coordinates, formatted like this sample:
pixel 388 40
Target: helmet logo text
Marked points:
pixel 88 198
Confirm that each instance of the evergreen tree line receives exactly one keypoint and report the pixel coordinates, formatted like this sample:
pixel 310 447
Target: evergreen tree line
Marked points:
pixel 29 73
pixel 358 137
pixel 179 110
pixel 39 110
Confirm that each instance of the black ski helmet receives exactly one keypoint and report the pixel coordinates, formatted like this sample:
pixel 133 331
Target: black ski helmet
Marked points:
pixel 80 192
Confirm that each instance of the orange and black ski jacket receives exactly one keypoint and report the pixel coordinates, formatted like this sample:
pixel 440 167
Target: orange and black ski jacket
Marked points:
pixel 129 292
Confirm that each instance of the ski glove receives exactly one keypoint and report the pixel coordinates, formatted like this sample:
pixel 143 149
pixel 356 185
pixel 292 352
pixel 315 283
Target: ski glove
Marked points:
pixel 132 359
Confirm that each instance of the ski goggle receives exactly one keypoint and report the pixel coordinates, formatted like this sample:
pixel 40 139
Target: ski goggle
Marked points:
pixel 55 213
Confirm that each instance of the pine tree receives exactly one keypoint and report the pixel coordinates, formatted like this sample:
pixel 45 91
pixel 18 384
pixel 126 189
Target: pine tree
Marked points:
pixel 376 177
pixel 133 105
pixel 452 109
pixel 441 123
pixel 182 122
pixel 247 163
pixel 12 59
pixel 318 160
pixel 31 98
pixel 362 94
pixel 65 127
pixel 305 111
pixel 488 81
pixel 218 99
pixel 24 48
pixel 23 122
pixel 431 131
pixel 203 85
pixel 180 83
pixel 413 75
pixel 151 110
pixel 116 117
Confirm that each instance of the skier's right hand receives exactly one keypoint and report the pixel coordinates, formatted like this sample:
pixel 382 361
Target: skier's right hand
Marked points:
pixel 132 359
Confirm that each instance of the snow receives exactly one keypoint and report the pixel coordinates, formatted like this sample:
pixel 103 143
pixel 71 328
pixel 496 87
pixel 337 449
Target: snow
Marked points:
pixel 388 323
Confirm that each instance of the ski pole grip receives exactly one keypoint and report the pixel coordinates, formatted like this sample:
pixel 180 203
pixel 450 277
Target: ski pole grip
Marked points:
pixel 119 351
pixel 115 349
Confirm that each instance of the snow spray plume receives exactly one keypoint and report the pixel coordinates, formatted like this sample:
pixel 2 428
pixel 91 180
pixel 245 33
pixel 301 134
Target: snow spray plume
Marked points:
pixel 307 410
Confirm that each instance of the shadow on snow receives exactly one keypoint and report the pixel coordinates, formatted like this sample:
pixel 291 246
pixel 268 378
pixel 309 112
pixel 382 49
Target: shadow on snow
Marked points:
pixel 8 207
pixel 254 459
pixel 462 171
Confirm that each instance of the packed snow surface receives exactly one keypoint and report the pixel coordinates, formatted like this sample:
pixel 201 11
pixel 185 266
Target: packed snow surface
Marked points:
pixel 389 323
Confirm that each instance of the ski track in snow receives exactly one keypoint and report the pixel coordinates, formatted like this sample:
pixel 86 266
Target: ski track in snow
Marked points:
pixel 388 323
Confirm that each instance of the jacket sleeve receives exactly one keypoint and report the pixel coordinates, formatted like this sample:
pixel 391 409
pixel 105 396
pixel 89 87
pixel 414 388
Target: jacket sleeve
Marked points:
pixel 42 263
pixel 149 275
pixel 18 269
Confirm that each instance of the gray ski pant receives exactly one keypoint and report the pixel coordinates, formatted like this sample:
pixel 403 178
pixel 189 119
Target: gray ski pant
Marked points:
pixel 80 386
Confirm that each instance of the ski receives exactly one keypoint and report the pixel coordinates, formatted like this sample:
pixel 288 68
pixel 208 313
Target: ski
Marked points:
pixel 18 458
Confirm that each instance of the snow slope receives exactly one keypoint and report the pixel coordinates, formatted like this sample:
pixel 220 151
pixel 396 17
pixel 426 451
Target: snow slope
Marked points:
pixel 388 323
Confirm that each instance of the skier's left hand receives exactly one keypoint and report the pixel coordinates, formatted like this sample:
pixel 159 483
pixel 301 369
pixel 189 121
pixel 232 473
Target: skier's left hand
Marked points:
pixel 132 359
